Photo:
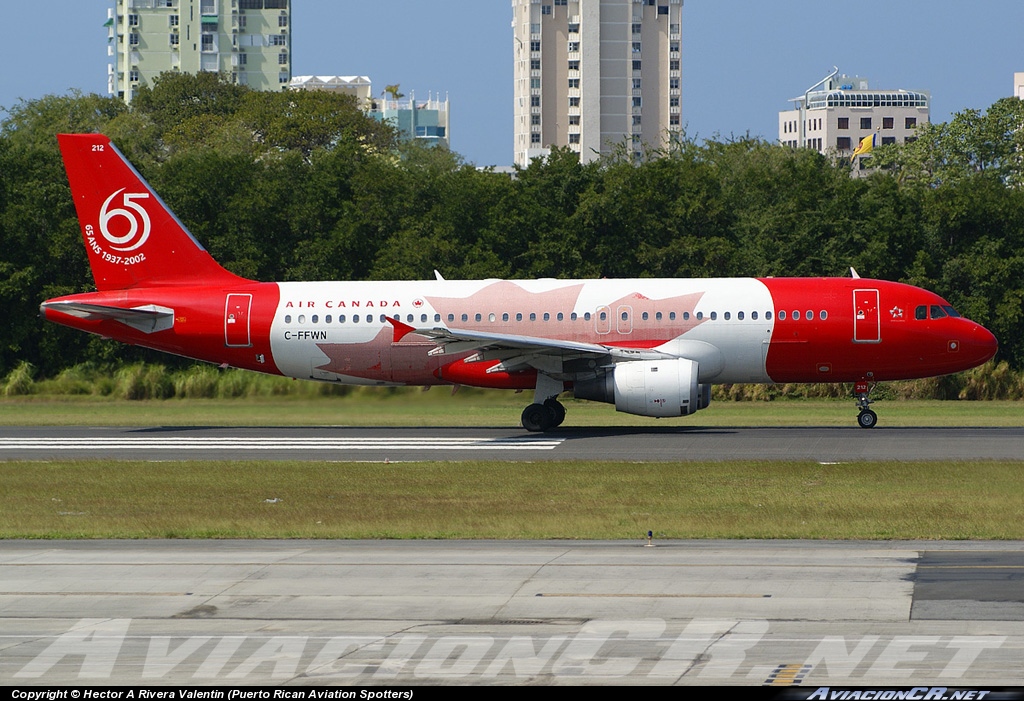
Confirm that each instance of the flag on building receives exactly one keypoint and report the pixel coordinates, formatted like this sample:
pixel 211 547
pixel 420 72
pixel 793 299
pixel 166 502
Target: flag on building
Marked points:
pixel 865 146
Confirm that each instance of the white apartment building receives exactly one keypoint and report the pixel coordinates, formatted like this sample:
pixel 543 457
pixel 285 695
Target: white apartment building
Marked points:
pixel 837 112
pixel 594 74
pixel 358 86
pixel 248 40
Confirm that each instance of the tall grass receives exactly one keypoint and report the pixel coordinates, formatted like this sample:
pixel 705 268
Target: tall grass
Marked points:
pixel 992 381
pixel 19 380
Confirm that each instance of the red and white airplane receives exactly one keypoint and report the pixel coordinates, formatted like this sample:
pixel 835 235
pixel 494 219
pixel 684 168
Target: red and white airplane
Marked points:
pixel 652 347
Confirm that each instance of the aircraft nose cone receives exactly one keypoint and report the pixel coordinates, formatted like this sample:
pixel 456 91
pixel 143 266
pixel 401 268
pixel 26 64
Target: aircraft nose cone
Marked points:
pixel 981 344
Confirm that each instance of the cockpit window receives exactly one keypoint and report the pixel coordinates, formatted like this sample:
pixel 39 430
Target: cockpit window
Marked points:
pixel 937 312
pixel 921 312
pixel 952 312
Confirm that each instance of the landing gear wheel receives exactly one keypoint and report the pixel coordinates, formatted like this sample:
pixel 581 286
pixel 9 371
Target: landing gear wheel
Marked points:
pixel 867 419
pixel 557 411
pixel 538 418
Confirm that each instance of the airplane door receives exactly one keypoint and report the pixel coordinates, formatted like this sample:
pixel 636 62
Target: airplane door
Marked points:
pixel 236 320
pixel 867 322
pixel 624 319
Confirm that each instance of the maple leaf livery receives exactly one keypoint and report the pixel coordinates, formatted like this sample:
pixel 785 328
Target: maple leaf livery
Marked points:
pixel 651 347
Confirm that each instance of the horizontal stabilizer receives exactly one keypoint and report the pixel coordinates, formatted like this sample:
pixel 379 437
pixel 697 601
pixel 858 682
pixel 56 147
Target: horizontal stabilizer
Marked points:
pixel 148 318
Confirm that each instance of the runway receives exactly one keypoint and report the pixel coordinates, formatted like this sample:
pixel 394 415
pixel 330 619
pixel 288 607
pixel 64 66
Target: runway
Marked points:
pixel 652 444
pixel 457 612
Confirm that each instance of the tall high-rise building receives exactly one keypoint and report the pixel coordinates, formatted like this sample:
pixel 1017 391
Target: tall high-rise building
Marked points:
pixel 595 74
pixel 248 40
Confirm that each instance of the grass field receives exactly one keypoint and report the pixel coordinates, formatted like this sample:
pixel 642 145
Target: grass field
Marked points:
pixel 477 499
pixel 384 407
pixel 474 499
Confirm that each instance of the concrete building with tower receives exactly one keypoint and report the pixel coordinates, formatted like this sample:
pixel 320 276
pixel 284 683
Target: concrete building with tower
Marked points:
pixel 835 114
pixel 594 75
pixel 247 40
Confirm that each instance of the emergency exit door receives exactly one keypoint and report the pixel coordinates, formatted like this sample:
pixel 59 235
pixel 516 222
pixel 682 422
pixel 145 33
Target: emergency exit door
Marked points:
pixel 236 320
pixel 867 322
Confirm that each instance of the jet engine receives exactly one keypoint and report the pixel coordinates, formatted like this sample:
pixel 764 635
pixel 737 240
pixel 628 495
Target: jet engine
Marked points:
pixel 649 388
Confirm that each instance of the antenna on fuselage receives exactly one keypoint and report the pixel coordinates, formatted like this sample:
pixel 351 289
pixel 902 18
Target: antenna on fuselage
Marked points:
pixel 853 273
pixel 438 275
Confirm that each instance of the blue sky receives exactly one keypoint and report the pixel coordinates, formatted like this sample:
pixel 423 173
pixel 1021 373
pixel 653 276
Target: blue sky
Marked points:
pixel 742 59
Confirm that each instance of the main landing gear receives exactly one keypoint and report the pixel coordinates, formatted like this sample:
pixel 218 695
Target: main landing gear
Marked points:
pixel 866 418
pixel 543 417
pixel 546 412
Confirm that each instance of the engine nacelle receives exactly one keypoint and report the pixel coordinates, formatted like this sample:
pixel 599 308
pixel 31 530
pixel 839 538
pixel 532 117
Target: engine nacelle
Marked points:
pixel 649 388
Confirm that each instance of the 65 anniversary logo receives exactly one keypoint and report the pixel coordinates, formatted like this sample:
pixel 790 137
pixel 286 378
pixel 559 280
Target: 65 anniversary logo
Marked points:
pixel 121 236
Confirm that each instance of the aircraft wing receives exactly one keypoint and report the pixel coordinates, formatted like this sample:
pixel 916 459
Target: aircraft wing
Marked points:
pixel 148 318
pixel 515 351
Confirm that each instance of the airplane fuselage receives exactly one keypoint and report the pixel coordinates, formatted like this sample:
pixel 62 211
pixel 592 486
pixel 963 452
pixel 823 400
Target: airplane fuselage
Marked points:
pixel 738 330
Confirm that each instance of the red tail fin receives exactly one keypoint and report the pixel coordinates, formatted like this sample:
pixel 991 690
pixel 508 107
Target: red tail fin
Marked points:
pixel 132 238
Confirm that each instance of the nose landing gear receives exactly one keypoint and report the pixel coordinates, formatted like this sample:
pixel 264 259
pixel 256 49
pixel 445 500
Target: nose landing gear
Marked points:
pixel 866 418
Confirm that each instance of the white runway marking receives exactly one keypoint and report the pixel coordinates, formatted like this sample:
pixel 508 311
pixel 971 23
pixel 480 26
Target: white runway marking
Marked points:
pixel 255 443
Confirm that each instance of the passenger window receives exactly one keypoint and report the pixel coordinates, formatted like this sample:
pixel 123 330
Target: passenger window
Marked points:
pixel 657 316
pixel 533 316
pixel 341 318
pixel 672 316
pixel 519 316
pixel 686 316
pixel 768 316
pixel 491 317
pixel 504 317
pixel 823 315
pixel 604 316
pixel 547 317
pixel 451 317
pixel 782 315
pixel 327 319
pixel 937 312
pixel 625 316
pixel 573 317
pixel 644 316
pixel 753 315
pixel 315 318
pixel 437 317
pixel 355 318
pixel 700 316
pixel 409 319
pixel 714 316
pixel 921 312
pixel 287 318
pixel 560 317
pixel 477 317
pixel 586 316
pixel 796 316
pixel 810 315
pixel 465 317
pixel 739 316
pixel 302 318
pixel 727 316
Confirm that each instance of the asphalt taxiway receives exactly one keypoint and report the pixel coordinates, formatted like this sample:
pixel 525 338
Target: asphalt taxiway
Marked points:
pixel 567 443
pixel 425 612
